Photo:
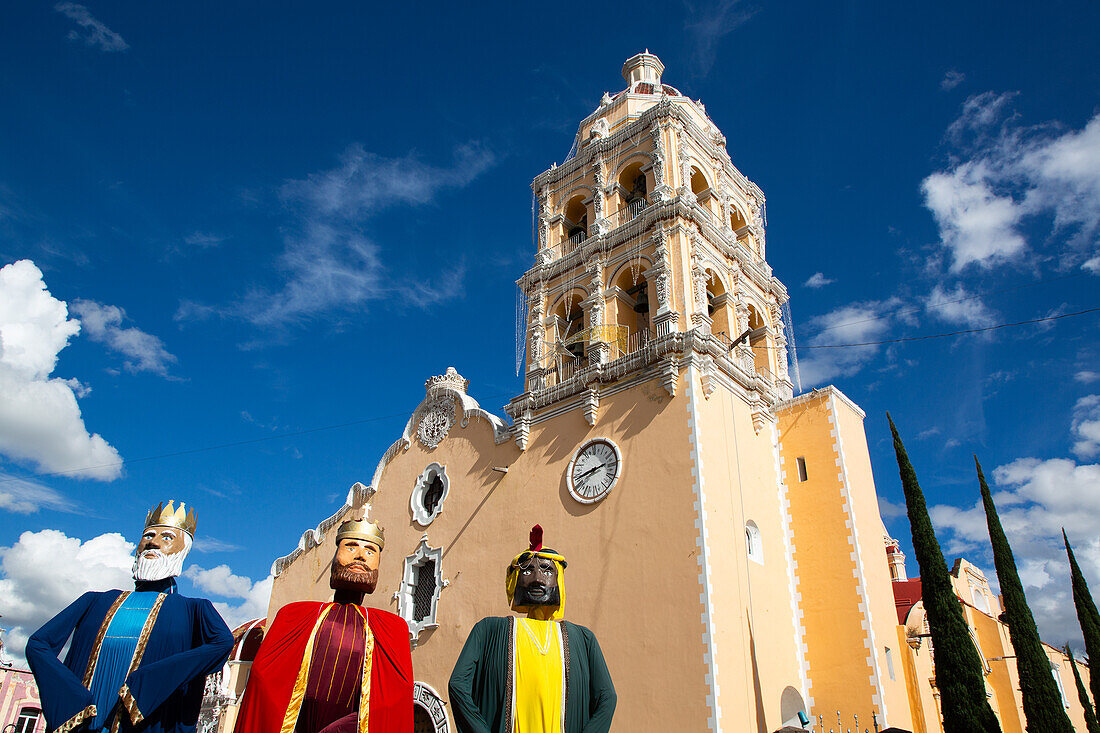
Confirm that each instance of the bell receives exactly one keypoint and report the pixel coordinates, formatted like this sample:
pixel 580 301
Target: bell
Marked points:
pixel 641 305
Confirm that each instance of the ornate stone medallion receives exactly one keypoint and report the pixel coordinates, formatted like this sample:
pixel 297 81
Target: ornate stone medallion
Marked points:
pixel 436 421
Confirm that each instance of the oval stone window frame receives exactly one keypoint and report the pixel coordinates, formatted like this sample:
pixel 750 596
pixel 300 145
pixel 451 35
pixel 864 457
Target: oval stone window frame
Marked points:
pixel 419 500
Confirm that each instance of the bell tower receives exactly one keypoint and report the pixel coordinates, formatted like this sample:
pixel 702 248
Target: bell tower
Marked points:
pixel 651 253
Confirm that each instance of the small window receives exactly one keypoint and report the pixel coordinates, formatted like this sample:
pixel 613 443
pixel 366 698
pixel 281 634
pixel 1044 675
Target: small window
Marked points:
pixel 422 580
pixel 1058 682
pixel 429 494
pixel 752 542
pixel 801 462
pixel 28 720
pixel 890 662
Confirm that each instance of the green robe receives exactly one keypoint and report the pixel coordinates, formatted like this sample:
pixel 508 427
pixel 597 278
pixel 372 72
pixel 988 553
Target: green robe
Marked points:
pixel 481 683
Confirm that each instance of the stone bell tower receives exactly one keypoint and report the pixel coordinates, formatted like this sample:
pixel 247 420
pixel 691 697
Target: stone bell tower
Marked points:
pixel 651 247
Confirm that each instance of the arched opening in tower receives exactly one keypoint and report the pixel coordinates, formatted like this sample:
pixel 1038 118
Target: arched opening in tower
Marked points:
pixel 576 221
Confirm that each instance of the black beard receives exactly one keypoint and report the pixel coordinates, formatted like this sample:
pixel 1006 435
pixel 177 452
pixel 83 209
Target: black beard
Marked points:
pixel 537 596
pixel 344 578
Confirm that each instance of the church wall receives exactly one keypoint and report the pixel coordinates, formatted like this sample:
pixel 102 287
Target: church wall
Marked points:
pixel 756 656
pixel 632 575
pixel 874 567
pixel 840 677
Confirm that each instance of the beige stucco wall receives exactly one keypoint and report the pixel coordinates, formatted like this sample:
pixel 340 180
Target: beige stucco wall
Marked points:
pixel 632 576
pixel 755 648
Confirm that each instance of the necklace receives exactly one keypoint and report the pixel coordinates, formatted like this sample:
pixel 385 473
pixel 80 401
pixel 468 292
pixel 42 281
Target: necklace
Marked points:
pixel 544 649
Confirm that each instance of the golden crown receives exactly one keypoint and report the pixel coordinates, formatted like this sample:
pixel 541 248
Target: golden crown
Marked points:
pixel 362 529
pixel 167 516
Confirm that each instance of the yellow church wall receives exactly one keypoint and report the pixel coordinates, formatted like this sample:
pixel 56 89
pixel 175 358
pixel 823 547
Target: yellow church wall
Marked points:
pixel 874 570
pixel 840 677
pixel 755 652
pixel 632 576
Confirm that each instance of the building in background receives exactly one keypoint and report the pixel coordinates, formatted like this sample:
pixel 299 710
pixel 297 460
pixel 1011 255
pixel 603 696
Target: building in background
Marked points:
pixel 20 709
pixel 723 535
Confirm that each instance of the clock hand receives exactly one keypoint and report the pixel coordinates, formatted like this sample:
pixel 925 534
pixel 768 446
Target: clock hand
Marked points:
pixel 591 470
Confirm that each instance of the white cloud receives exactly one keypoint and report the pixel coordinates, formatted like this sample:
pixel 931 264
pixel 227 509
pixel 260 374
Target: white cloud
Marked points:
pixel 890 510
pixel 849 324
pixel 1005 175
pixel 1086 426
pixel 45 571
pixel 818 280
pixel 40 419
pixel 93 32
pixel 221 581
pixel 952 79
pixel 708 22
pixel 976 225
pixel 958 307
pixel 207 544
pixel 144 352
pixel 925 434
pixel 328 263
pixel 1035 500
pixel 203 240
pixel 24 496
pixel 1087 377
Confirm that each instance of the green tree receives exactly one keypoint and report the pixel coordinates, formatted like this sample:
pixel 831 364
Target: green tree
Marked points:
pixel 1086 616
pixel 1083 696
pixel 1043 708
pixel 958 667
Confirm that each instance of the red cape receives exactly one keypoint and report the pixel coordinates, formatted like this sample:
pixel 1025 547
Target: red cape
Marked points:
pixel 269 704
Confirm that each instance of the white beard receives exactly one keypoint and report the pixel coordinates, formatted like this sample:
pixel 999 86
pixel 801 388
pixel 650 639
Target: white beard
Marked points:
pixel 160 566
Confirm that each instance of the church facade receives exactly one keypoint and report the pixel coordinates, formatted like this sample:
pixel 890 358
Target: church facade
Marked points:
pixel 723 534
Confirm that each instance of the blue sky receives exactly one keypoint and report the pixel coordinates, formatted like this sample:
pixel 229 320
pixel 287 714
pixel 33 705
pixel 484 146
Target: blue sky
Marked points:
pixel 270 220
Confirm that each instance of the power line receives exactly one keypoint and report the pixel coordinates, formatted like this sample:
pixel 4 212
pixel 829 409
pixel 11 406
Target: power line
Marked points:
pixel 205 449
pixel 952 333
pixel 281 436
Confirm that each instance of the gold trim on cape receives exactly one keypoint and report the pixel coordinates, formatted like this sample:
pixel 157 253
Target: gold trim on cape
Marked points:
pixel 290 718
pixel 131 704
pixel 79 718
pixel 368 665
pixel 93 658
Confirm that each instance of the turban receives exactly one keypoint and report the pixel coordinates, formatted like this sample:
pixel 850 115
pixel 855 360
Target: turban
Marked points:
pixel 536 550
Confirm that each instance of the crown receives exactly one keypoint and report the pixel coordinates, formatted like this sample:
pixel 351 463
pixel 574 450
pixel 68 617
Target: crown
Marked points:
pixel 362 529
pixel 451 380
pixel 167 516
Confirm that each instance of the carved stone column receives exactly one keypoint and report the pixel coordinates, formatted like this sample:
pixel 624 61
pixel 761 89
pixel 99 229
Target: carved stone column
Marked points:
pixel 662 192
pixel 602 225
pixel 700 319
pixel 685 166
pixel 665 317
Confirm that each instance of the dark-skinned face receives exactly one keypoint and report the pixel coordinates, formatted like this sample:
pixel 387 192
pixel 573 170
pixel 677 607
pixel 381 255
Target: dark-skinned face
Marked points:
pixel 537 584
pixel 355 566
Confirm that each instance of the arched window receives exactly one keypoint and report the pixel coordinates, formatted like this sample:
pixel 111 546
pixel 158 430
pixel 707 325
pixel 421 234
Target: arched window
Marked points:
pixel 27 720
pixel 634 190
pixel 418 596
pixel 737 219
pixel 632 307
pixel 753 543
pixel 698 181
pixel 576 223
pixel 717 307
pixel 759 341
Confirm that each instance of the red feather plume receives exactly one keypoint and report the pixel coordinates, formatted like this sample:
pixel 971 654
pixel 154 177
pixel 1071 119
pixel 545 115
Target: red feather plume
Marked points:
pixel 536 538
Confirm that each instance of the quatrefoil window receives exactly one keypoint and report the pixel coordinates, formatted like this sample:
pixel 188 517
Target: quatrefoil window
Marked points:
pixel 429 493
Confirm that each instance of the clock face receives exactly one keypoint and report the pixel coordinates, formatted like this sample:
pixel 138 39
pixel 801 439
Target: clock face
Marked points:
pixel 594 470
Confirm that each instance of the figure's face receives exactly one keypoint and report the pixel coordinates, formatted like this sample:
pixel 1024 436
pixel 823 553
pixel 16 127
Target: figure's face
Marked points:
pixel 355 566
pixel 160 553
pixel 168 540
pixel 537 584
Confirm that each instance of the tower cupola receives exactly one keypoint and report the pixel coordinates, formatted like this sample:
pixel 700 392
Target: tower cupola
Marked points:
pixel 643 66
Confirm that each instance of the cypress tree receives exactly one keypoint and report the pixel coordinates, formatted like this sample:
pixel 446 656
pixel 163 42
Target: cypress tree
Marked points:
pixel 1043 707
pixel 1087 617
pixel 1083 696
pixel 958 667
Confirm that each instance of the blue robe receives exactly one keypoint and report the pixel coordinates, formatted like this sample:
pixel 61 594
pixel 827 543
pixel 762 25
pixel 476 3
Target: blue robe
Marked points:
pixel 187 641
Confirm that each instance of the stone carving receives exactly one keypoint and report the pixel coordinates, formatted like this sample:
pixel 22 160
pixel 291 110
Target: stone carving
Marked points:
pixel 591 405
pixel 436 420
pixel 449 380
pixel 600 129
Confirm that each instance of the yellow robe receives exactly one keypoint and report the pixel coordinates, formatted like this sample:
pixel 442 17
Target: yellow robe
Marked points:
pixel 540 677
